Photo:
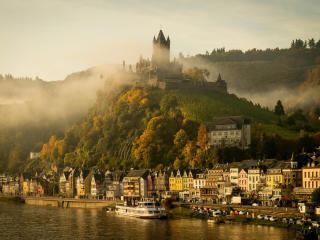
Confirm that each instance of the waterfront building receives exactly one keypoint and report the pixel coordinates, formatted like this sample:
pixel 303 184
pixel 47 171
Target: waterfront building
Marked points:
pixel 254 174
pixel 161 182
pixel 291 174
pixel 199 181
pixel 233 131
pixel 234 176
pixel 274 176
pixel 311 176
pixel 214 175
pixel 77 182
pixel 175 181
pixel 243 180
pixel 97 185
pixel 150 185
pixel 114 190
pixel 135 184
pixel 187 180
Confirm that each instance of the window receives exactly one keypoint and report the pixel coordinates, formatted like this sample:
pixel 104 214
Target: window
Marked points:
pixel 213 133
pixel 219 133
pixel 305 174
pixel 226 133
pixel 308 174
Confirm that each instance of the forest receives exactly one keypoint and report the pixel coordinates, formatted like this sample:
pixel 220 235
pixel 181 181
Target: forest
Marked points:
pixel 153 128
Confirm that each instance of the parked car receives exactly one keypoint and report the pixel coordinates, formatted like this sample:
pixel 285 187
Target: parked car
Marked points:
pixel 236 213
pixel 255 204
pixel 267 217
pixel 315 224
pixel 285 220
pixel 216 211
pixel 299 222
pixel 273 219
pixel 216 214
pixel 292 221
pixel 260 216
pixel 242 213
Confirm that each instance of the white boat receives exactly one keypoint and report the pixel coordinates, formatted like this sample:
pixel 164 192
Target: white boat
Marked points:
pixel 148 209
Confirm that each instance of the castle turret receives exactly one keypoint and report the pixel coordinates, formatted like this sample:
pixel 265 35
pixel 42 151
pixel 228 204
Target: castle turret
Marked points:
pixel 161 51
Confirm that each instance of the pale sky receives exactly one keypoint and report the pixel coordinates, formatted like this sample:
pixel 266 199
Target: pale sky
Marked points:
pixel 53 38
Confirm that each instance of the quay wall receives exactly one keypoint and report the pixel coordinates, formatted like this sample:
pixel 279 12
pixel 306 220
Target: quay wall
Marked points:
pixel 69 203
pixel 272 211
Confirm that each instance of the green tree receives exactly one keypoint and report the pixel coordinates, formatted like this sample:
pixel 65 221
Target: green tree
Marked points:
pixel 180 139
pixel 168 104
pixel 278 109
pixel 316 196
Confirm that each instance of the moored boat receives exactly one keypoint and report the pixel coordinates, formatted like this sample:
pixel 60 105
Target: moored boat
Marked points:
pixel 148 209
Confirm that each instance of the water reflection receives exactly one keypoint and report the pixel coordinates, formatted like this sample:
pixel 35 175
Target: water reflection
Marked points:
pixel 30 222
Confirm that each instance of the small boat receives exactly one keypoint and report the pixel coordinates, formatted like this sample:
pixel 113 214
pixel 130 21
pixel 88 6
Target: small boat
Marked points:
pixel 148 209
pixel 216 220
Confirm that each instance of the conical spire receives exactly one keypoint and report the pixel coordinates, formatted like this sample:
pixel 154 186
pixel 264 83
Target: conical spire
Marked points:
pixel 161 37
pixel 219 78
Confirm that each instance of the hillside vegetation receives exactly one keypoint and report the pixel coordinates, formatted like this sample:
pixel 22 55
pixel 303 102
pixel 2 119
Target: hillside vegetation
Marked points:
pixel 264 76
pixel 153 128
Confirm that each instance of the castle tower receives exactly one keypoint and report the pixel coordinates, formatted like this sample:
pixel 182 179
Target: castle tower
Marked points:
pixel 161 51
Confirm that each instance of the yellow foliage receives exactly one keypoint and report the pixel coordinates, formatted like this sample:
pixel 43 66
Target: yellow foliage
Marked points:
pixel 133 95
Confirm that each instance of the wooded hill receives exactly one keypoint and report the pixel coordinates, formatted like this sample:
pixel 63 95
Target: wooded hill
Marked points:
pixel 153 128
pixel 292 75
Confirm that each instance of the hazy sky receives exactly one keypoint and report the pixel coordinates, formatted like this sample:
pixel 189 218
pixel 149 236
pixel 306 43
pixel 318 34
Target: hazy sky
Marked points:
pixel 52 38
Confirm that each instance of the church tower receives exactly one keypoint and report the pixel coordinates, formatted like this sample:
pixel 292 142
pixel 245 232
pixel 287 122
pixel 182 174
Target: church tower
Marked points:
pixel 161 51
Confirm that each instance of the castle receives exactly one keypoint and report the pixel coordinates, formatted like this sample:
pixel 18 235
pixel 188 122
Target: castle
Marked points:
pixel 162 73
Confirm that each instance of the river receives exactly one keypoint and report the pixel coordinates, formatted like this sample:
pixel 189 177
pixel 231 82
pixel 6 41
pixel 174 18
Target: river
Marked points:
pixel 19 221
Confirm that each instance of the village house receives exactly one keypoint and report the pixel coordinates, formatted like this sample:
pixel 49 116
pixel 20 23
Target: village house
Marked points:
pixel 233 131
pixel 254 174
pixel 97 189
pixel 187 180
pixel 135 185
pixel 274 176
pixel 78 178
pixel 311 176
pixel 199 181
pixel 214 175
pixel 114 190
pixel 292 176
pixel 175 181
pixel 243 180
pixel 161 183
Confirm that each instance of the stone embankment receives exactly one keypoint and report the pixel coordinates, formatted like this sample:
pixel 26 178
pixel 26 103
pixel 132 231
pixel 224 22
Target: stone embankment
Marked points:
pixel 272 211
pixel 69 202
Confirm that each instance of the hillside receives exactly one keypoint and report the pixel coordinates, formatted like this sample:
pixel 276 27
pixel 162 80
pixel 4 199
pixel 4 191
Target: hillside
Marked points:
pixel 264 76
pixel 133 127
pixel 31 110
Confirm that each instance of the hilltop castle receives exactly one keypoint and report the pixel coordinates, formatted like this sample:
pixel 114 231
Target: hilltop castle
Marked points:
pixel 162 73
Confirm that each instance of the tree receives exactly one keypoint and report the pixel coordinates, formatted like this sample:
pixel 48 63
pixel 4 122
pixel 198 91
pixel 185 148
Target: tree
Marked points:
pixel 168 104
pixel 311 43
pixel 181 139
pixel 198 76
pixel 202 137
pixel 278 109
pixel 316 196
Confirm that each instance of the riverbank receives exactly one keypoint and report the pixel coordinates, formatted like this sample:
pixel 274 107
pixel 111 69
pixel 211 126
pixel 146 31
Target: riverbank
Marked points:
pixel 59 202
pixel 12 199
pixel 182 212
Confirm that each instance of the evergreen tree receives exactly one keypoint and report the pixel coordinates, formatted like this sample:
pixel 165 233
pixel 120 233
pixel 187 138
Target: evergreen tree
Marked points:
pixel 278 109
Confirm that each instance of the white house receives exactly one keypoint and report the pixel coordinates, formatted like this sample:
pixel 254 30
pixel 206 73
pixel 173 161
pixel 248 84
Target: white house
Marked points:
pixel 229 131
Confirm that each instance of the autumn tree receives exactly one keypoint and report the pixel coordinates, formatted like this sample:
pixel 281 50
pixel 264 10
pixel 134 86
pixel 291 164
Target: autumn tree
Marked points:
pixel 202 137
pixel 198 76
pixel 168 104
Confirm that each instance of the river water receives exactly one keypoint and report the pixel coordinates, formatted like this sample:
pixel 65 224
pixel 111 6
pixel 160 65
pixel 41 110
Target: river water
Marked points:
pixel 33 222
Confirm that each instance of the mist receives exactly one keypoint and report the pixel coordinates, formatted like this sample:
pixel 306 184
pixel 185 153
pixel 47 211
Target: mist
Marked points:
pixel 293 95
